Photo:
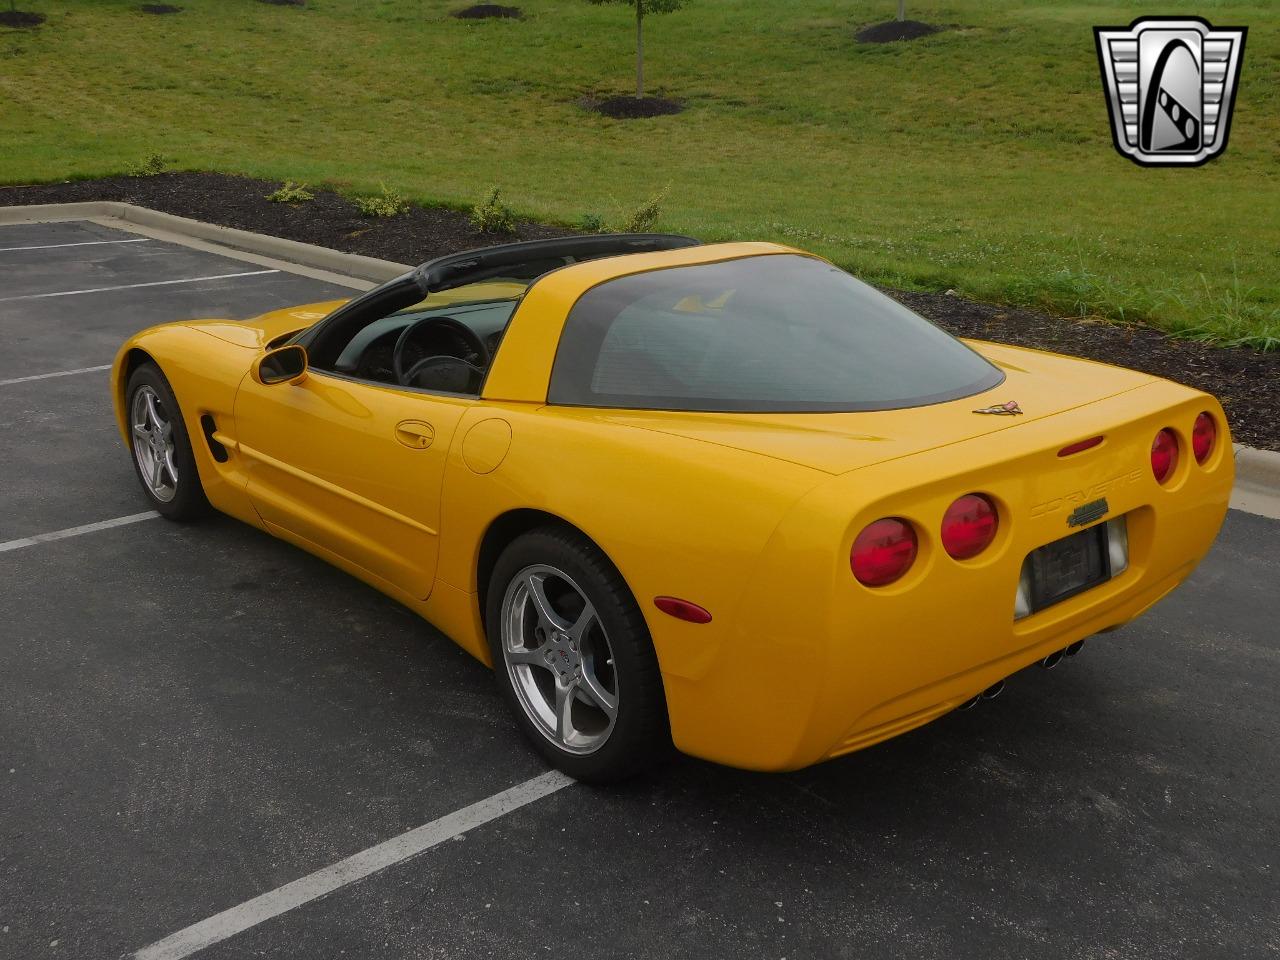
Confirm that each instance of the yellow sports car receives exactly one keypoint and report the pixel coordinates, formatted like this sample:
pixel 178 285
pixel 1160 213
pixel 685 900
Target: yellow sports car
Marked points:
pixel 725 496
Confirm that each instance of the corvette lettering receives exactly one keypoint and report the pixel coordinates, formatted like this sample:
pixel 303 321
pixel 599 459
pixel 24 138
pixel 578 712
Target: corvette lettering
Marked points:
pixel 1069 501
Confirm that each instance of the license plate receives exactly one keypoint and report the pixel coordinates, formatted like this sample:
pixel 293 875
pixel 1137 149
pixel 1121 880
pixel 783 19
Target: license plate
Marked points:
pixel 1068 566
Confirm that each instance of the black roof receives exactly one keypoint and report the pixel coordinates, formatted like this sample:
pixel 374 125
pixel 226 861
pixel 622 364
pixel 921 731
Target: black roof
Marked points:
pixel 524 261
pixel 530 259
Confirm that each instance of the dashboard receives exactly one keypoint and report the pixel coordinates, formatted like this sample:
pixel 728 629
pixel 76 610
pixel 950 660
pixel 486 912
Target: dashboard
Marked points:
pixel 369 355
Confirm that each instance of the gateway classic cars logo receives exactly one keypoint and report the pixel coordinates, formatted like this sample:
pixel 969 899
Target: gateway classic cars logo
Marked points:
pixel 1170 84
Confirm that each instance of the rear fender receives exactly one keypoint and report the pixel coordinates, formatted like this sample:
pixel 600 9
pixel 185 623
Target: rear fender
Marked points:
pixel 675 516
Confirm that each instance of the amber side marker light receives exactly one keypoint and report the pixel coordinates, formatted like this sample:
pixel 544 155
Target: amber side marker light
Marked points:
pixel 1079 447
pixel 1203 436
pixel 1164 454
pixel 883 552
pixel 682 609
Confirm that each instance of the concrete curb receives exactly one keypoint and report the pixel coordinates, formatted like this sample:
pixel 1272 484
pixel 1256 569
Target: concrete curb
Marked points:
pixel 1257 488
pixel 1259 468
pixel 306 254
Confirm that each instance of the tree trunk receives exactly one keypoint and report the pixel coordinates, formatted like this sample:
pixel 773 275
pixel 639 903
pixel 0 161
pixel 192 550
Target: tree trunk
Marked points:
pixel 640 50
pixel 902 9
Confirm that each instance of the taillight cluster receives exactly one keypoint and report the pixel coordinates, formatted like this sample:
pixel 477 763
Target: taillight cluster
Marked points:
pixel 1164 448
pixel 885 550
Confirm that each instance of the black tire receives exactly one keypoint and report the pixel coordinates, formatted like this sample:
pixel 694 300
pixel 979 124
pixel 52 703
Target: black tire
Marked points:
pixel 188 501
pixel 640 736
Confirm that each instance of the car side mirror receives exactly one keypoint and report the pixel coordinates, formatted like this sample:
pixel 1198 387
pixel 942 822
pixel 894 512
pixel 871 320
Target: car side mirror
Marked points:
pixel 283 365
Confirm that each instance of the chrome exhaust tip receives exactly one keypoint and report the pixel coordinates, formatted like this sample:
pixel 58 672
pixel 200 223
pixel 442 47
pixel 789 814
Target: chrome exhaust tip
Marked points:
pixel 1075 648
pixel 990 693
pixel 1052 660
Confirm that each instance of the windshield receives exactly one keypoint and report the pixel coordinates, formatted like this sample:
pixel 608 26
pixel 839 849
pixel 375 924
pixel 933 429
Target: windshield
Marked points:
pixel 765 334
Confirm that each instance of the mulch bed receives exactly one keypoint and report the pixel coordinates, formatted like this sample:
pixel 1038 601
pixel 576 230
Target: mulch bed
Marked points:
pixel 1246 381
pixel 19 19
pixel 631 108
pixel 895 30
pixel 159 8
pixel 488 11
pixel 329 220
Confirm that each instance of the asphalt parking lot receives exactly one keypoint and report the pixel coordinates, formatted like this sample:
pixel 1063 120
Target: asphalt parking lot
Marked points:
pixel 191 716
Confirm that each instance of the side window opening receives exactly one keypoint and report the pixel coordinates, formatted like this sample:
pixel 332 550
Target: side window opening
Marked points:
pixel 439 347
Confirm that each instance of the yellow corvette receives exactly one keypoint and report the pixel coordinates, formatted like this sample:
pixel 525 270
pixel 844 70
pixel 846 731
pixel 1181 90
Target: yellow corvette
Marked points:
pixel 725 496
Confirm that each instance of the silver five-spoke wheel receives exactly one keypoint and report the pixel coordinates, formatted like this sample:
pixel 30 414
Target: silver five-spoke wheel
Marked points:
pixel 558 658
pixel 153 444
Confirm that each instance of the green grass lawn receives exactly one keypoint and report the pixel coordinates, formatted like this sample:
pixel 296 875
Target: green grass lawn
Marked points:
pixel 978 159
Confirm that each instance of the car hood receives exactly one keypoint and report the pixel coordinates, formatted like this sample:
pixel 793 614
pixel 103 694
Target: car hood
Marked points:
pixel 1043 384
pixel 258 332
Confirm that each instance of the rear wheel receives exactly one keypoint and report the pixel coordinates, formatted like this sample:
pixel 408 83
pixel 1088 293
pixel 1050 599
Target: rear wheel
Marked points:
pixel 162 455
pixel 573 657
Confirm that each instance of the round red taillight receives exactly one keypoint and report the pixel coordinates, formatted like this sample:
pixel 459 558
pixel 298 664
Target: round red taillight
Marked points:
pixel 1164 455
pixel 1203 434
pixel 969 526
pixel 883 552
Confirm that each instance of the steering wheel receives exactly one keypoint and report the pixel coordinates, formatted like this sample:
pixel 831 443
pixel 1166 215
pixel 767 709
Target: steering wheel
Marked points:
pixel 438 337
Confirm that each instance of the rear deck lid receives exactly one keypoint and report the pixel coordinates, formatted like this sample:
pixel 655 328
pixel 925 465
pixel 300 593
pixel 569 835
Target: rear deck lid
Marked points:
pixel 1041 384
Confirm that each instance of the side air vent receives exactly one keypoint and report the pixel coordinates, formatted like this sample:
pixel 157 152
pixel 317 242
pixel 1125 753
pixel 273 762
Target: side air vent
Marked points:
pixel 218 450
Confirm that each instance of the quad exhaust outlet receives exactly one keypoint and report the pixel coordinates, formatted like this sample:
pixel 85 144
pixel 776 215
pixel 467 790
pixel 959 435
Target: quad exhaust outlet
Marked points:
pixel 990 693
pixel 1048 663
pixel 1055 658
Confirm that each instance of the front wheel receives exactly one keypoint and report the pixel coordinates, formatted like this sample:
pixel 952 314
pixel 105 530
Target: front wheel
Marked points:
pixel 162 455
pixel 573 657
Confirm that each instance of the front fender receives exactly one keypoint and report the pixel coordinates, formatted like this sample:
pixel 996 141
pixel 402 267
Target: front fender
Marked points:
pixel 204 373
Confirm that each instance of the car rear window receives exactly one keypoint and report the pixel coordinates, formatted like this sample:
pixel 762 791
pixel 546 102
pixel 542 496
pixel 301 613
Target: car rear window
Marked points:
pixel 768 333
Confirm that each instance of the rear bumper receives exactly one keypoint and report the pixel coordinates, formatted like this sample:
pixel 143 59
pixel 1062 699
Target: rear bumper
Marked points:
pixel 926 703
pixel 817 665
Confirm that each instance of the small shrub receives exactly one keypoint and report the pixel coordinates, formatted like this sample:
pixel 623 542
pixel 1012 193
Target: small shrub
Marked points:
pixel 388 203
pixel 491 215
pixel 643 218
pixel 291 192
pixel 148 166
pixel 591 223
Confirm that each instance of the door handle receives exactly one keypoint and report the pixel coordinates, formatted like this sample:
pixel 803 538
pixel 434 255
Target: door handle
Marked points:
pixel 415 434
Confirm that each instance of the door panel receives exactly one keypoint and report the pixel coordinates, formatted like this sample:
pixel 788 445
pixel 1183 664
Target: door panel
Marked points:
pixel 353 467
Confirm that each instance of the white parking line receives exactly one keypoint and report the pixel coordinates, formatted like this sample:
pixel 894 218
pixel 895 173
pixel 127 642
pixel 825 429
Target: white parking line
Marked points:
pixel 134 286
pixel 82 243
pixel 76 531
pixel 356 867
pixel 56 373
